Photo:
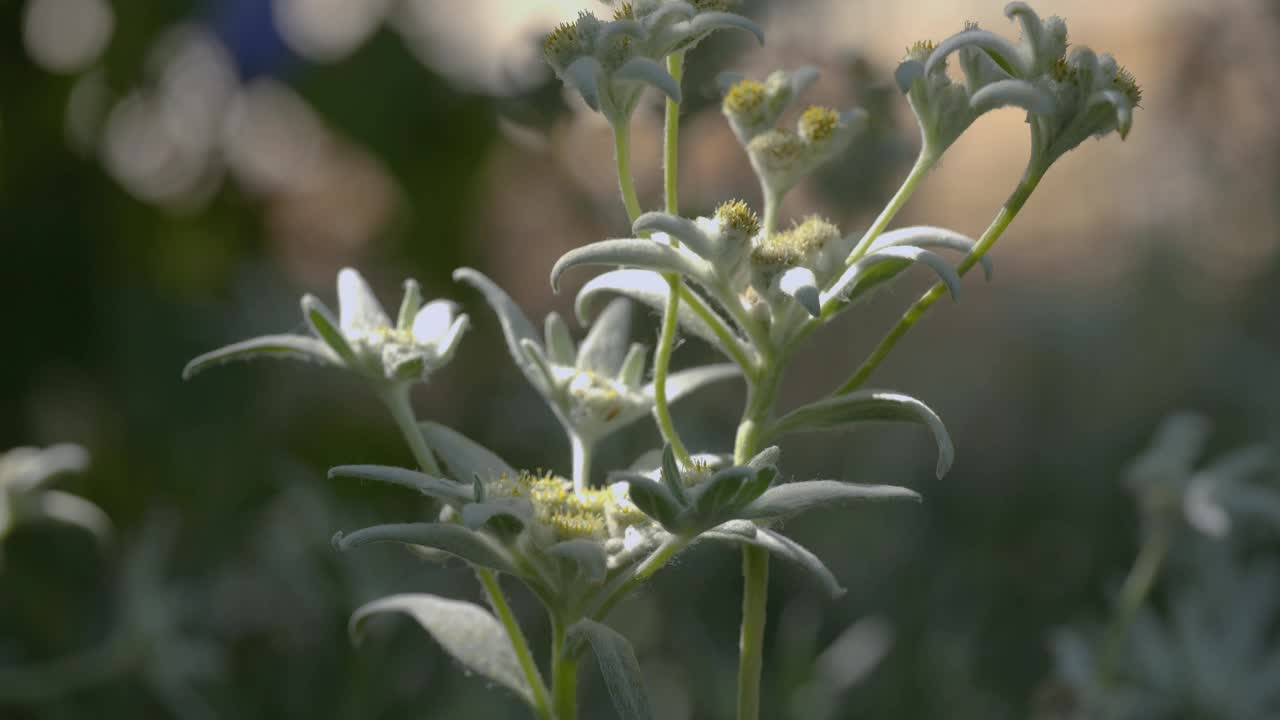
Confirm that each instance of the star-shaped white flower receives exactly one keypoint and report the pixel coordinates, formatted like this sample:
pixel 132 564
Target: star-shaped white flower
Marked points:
pixel 363 337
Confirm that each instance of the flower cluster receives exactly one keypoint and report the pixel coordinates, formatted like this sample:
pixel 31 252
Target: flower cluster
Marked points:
pixel 751 290
pixel 362 338
pixel 610 62
pixel 1067 98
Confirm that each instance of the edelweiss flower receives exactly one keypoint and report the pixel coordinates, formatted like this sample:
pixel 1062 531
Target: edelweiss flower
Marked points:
pixel 1167 482
pixel 1067 100
pixel 611 62
pixel 596 387
pixel 580 549
pixel 25 473
pixel 753 278
pixel 363 338
pixel 781 157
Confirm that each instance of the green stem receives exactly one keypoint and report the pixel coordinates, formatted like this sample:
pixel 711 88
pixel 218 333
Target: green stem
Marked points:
pixel 924 163
pixel 755 595
pixel 670 314
pixel 1137 586
pixel 671 138
pixel 626 183
pixel 755 561
pixel 397 399
pixel 564 675
pixel 772 201
pixel 622 586
pixel 917 311
pixel 582 453
pixel 498 600
pixel 728 338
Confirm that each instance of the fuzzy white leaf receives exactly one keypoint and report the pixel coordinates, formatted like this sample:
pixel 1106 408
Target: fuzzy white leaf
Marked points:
pixel 797 497
pixel 644 70
pixel 463 457
pixel 844 411
pixel 453 539
pixel 645 287
pixel 444 490
pixel 468 632
pixel 618 665
pixel 635 253
pixel 296 347
pixel 606 344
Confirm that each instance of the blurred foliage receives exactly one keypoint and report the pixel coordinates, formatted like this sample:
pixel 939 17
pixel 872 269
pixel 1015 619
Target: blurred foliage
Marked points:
pixel 1049 384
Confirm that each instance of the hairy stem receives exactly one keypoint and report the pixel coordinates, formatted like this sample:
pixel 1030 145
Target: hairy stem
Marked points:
pixel 921 306
pixel 564 674
pixel 397 400
pixel 771 202
pixel 626 183
pixel 728 338
pixel 667 337
pixel 924 163
pixel 1137 586
pixel 582 453
pixel 755 595
pixel 498 600
pixel 755 561
pixel 622 586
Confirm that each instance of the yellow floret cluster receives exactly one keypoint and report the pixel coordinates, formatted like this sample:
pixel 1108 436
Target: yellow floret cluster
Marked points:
pixel 739 216
pixel 795 246
pixel 745 97
pixel 818 123
pixel 594 514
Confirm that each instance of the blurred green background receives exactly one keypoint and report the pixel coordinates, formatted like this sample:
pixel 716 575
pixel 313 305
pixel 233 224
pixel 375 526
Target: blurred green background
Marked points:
pixel 174 175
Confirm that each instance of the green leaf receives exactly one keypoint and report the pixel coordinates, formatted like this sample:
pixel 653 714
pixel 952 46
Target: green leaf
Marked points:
pixel 671 476
pixel 468 632
pixel 634 253
pixel 453 539
pixel 464 458
pixel 792 498
pixel 323 324
pixel 443 490
pixel 680 228
pixel 684 382
pixel 644 70
pixel 768 456
pixel 605 346
pixel 584 75
pixel 716 499
pixel 515 325
pixel 707 22
pixel 1005 53
pixel 618 665
pixel 843 411
pixel 505 516
pixel 930 237
pixel 655 500
pixel 647 288
pixel 295 347
pixel 587 554
pixel 883 264
pixel 1015 93
pixel 787 549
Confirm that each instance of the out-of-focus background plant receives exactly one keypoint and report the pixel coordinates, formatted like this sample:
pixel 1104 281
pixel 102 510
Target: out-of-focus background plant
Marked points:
pixel 173 174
